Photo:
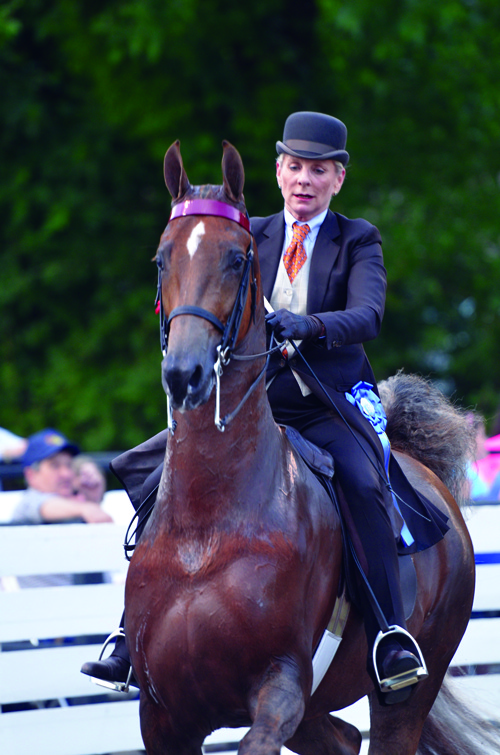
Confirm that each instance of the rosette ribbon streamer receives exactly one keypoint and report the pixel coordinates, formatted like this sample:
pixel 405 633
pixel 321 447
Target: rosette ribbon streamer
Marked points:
pixel 371 408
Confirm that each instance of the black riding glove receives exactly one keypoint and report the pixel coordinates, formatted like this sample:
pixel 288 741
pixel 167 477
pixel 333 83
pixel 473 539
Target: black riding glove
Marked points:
pixel 300 327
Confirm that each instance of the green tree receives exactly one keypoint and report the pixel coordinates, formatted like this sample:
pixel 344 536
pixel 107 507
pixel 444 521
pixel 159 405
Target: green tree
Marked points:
pixel 93 94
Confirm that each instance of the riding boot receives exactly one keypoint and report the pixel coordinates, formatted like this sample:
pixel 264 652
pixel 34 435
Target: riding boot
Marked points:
pixel 114 671
pixel 395 662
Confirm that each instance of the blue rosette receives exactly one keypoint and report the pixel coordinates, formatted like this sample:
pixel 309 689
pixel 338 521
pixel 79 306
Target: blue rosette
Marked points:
pixel 369 404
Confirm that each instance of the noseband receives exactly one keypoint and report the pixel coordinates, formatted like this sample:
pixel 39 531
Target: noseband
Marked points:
pixel 231 329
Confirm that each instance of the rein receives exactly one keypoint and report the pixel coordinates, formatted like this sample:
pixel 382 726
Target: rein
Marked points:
pixel 231 329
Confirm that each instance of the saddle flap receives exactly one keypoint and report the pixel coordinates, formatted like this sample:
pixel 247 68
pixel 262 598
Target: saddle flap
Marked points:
pixel 317 459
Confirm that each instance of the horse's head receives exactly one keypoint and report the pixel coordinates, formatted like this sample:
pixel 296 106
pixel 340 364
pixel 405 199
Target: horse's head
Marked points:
pixel 205 259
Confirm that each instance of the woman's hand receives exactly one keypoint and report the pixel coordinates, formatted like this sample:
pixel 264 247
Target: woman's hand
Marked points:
pixel 288 325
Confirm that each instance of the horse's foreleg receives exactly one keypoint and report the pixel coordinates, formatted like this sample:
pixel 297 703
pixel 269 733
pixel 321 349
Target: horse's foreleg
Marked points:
pixel 396 729
pixel 160 737
pixel 327 735
pixel 276 709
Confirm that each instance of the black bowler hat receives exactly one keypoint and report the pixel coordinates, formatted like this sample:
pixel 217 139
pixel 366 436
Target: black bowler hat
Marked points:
pixel 315 136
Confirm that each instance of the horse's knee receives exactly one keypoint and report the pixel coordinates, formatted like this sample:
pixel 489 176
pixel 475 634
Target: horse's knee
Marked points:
pixel 276 708
pixel 327 735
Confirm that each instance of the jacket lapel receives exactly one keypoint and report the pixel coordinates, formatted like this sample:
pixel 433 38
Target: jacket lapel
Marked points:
pixel 269 248
pixel 324 255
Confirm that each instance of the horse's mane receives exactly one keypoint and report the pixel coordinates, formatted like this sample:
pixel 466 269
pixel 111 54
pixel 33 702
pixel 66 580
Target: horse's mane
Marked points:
pixel 426 425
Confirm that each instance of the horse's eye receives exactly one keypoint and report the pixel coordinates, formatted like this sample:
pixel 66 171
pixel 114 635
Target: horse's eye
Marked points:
pixel 237 262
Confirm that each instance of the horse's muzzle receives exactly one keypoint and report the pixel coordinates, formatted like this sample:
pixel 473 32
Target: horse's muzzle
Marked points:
pixel 187 381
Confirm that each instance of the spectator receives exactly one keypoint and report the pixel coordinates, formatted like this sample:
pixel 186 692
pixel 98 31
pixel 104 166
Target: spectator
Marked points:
pixel 492 446
pixel 484 471
pixel 11 446
pixel 478 487
pixel 90 480
pixel 49 474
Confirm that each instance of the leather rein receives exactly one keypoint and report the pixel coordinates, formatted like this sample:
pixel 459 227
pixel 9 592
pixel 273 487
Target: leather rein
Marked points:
pixel 231 329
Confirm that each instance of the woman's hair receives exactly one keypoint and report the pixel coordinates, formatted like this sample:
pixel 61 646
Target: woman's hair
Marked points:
pixel 337 164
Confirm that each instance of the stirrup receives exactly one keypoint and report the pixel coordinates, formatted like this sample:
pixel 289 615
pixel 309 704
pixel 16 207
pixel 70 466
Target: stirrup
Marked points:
pixel 407 678
pixel 116 686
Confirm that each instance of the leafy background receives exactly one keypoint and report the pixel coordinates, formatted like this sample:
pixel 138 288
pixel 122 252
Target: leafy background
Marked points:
pixel 94 92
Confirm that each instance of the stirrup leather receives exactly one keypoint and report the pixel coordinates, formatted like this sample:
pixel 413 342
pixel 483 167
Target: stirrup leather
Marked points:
pixel 117 686
pixel 407 678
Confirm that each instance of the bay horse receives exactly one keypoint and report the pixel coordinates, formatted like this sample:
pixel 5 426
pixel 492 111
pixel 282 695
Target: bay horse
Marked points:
pixel 235 576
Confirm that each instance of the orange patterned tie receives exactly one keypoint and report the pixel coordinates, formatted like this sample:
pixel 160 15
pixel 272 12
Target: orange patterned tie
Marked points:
pixel 295 255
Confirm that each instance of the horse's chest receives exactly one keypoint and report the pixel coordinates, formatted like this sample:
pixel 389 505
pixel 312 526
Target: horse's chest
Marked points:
pixel 193 557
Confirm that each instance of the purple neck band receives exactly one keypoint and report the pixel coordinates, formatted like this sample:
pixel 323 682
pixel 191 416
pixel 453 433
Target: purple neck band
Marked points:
pixel 210 207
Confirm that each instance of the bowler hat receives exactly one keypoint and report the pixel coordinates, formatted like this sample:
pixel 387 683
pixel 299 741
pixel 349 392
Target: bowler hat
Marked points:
pixel 315 136
pixel 46 443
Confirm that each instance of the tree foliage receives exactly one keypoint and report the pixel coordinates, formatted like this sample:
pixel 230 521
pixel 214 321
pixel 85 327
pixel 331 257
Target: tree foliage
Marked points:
pixel 93 94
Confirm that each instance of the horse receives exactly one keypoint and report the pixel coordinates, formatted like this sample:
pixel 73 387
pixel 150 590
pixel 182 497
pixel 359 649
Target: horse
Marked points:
pixel 236 573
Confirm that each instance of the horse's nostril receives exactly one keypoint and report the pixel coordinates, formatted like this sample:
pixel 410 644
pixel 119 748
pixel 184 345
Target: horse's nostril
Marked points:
pixel 181 381
pixel 195 378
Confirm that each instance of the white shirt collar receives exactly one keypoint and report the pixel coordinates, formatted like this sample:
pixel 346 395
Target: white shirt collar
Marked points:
pixel 314 224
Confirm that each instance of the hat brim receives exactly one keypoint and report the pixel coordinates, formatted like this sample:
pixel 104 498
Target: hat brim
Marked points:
pixel 32 458
pixel 337 154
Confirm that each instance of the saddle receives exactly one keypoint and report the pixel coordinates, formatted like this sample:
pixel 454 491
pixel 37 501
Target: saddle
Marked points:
pixel 322 464
pixel 350 590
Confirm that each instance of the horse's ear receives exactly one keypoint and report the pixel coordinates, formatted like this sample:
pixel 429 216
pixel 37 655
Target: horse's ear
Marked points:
pixel 232 172
pixel 173 170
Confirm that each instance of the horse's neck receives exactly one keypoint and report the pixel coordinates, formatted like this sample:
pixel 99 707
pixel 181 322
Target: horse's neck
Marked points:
pixel 197 445
pixel 215 476
pixel 206 468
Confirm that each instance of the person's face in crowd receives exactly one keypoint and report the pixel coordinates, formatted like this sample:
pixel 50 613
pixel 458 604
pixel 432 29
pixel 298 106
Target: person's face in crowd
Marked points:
pixel 52 475
pixel 90 482
pixel 308 185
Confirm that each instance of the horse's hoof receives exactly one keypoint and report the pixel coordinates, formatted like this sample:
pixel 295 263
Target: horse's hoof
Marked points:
pixel 114 672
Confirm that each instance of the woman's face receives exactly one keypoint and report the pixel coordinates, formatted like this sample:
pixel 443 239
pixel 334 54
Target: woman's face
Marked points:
pixel 308 185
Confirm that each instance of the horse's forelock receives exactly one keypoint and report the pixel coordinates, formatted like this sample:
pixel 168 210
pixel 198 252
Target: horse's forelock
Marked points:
pixel 210 191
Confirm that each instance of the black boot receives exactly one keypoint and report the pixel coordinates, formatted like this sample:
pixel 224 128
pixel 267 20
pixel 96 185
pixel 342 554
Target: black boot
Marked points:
pixel 115 671
pixel 399 665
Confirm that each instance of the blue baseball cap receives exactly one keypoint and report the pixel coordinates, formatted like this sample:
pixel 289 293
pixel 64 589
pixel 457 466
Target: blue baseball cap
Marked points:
pixel 46 443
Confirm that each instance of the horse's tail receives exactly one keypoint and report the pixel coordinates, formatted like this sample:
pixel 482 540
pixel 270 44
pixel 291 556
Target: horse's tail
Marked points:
pixel 423 423
pixel 451 728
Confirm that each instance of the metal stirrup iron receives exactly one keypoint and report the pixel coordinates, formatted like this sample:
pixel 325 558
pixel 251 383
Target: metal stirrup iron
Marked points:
pixel 399 681
pixel 117 686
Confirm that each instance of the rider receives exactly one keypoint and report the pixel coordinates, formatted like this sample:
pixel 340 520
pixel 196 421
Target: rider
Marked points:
pixel 325 283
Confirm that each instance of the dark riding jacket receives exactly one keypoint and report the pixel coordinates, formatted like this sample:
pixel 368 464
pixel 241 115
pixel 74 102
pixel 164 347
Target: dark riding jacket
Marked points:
pixel 346 291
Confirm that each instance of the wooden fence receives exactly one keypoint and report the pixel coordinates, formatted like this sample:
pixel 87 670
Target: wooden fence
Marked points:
pixel 47 632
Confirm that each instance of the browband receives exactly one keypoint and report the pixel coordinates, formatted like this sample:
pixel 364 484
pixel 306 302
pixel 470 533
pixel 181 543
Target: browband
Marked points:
pixel 210 207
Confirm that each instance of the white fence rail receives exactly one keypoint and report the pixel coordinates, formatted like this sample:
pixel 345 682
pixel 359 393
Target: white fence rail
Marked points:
pixel 46 633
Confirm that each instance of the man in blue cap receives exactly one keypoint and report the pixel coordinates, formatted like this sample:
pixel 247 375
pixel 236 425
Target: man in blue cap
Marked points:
pixel 50 496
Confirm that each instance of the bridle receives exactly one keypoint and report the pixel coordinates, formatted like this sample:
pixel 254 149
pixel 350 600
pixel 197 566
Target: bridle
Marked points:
pixel 231 329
